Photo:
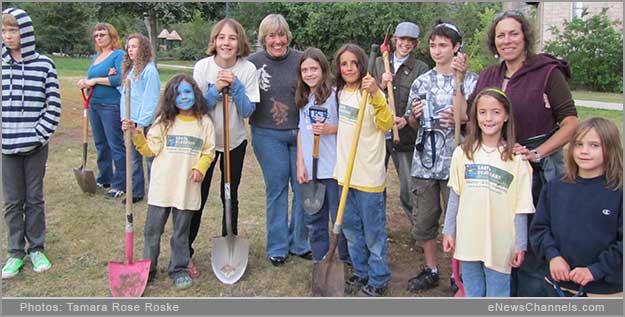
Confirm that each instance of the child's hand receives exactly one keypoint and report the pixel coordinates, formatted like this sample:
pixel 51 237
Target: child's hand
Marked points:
pixel 129 125
pixel 196 176
pixel 319 128
pixel 459 65
pixel 518 258
pixel 447 117
pixel 400 122
pixel 302 178
pixel 369 84
pixel 225 78
pixel 417 108
pixel 386 78
pixel 448 243
pixel 559 269
pixel 581 275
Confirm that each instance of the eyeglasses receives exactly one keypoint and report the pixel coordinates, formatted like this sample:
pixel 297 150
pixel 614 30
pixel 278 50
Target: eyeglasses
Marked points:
pixel 509 13
pixel 99 35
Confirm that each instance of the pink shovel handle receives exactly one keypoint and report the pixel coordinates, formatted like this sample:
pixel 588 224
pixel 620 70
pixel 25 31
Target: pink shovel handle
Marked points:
pixel 455 268
pixel 129 249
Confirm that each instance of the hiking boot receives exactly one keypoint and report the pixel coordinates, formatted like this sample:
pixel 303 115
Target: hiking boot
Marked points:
pixel 12 267
pixel 183 281
pixel 114 193
pixel 193 270
pixel 40 261
pixel 354 284
pixel 370 291
pixel 424 281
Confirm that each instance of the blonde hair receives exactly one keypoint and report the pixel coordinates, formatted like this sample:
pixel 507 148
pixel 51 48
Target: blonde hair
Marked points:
pixel 274 23
pixel 473 139
pixel 112 32
pixel 144 56
pixel 243 48
pixel 611 146
pixel 9 20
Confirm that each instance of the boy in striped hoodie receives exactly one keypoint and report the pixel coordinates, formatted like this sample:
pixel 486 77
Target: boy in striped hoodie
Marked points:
pixel 31 109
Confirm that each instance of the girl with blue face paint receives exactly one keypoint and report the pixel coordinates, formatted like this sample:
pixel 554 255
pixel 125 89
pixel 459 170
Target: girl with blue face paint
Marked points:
pixel 182 138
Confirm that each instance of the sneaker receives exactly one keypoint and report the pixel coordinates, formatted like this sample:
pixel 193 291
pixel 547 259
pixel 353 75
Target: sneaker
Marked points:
pixel 193 270
pixel 102 186
pixel 114 193
pixel 40 261
pixel 277 260
pixel 183 281
pixel 370 291
pixel 12 267
pixel 306 255
pixel 354 284
pixel 425 280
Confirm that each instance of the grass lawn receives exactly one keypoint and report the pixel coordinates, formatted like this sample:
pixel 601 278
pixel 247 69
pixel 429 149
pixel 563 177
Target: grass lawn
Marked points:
pixel 77 68
pixel 85 232
pixel 598 96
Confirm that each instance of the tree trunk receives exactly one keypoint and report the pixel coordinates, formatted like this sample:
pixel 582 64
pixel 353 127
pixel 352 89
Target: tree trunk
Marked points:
pixel 150 23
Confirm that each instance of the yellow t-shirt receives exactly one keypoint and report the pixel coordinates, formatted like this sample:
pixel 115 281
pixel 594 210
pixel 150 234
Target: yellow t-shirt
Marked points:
pixel 491 192
pixel 178 151
pixel 369 174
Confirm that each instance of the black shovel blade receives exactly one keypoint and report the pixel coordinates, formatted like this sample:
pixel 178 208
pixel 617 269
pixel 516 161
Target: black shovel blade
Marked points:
pixel 313 195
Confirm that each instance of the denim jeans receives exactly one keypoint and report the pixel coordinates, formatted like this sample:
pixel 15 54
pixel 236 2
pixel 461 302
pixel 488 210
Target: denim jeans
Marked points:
pixel 276 152
pixel 109 144
pixel 480 281
pixel 153 231
pixel 317 224
pixel 24 208
pixel 403 163
pixel 364 226
pixel 528 280
pixel 138 176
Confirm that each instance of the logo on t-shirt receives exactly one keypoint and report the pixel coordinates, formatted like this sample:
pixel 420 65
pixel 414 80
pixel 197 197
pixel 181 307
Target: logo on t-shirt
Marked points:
pixel 184 144
pixel 348 114
pixel 483 175
pixel 263 78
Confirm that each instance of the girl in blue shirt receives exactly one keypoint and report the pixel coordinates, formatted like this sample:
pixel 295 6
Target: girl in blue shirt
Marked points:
pixel 145 85
pixel 104 76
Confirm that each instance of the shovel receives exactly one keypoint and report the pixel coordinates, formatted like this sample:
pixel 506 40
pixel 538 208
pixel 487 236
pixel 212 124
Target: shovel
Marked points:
pixel 455 268
pixel 85 177
pixel 328 278
pixel 230 253
pixel 313 193
pixel 128 279
pixel 385 49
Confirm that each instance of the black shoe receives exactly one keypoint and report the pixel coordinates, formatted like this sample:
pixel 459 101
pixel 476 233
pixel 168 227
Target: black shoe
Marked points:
pixel 424 281
pixel 134 200
pixel 306 256
pixel 370 291
pixel 354 284
pixel 277 260
pixel 452 285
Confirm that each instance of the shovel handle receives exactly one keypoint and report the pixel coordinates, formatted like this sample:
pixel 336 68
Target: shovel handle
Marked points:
pixel 391 96
pixel 85 118
pixel 128 143
pixel 354 147
pixel 227 203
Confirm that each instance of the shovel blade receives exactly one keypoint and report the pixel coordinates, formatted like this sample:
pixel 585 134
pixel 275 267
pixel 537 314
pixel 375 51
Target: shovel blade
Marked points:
pixel 313 195
pixel 229 258
pixel 128 279
pixel 328 279
pixel 86 180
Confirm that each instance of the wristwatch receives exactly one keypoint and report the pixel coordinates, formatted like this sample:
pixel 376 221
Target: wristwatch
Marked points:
pixel 536 156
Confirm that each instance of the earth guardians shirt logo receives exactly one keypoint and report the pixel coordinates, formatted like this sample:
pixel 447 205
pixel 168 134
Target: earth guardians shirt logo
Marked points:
pixel 184 144
pixel 487 176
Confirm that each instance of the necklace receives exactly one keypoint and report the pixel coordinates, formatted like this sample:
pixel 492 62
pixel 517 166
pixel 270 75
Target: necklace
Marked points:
pixel 489 150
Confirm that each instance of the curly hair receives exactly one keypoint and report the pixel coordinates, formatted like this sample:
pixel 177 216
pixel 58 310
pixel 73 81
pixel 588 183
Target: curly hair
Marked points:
pixel 144 56
pixel 168 111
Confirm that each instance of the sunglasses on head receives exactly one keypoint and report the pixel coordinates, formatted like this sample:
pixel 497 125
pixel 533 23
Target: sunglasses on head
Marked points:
pixel 99 35
pixel 509 13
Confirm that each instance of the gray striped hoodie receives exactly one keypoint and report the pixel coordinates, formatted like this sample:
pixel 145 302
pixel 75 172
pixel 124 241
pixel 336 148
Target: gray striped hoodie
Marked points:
pixel 31 101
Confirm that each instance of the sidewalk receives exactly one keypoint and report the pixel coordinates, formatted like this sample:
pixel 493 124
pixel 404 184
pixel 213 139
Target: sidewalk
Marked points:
pixel 599 104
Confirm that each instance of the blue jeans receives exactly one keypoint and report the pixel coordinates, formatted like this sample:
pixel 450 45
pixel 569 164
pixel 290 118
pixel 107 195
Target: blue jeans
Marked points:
pixel 317 224
pixel 138 177
pixel 364 226
pixel 480 281
pixel 109 144
pixel 276 152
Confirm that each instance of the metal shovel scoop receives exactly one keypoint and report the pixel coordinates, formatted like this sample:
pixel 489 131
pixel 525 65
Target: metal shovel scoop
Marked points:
pixel 230 253
pixel 85 177
pixel 313 193
pixel 130 278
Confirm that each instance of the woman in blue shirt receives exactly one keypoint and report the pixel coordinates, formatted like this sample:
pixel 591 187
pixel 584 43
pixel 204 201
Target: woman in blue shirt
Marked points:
pixel 104 76
pixel 138 67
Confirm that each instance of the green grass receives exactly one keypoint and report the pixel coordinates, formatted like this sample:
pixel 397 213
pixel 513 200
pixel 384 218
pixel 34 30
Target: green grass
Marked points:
pixel 77 68
pixel 613 115
pixel 177 62
pixel 597 96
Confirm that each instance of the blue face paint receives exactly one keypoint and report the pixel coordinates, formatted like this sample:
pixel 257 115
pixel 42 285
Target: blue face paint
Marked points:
pixel 185 98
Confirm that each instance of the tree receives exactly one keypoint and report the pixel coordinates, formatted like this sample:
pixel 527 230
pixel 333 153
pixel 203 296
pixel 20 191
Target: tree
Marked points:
pixel 592 46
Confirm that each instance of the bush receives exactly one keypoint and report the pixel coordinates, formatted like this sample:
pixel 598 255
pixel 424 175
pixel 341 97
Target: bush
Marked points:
pixel 194 36
pixel 594 50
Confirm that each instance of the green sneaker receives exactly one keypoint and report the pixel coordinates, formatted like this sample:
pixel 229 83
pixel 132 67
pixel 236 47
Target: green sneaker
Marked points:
pixel 12 267
pixel 40 261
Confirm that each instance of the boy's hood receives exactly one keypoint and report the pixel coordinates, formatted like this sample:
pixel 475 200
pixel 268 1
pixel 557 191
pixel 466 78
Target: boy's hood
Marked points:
pixel 27 36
